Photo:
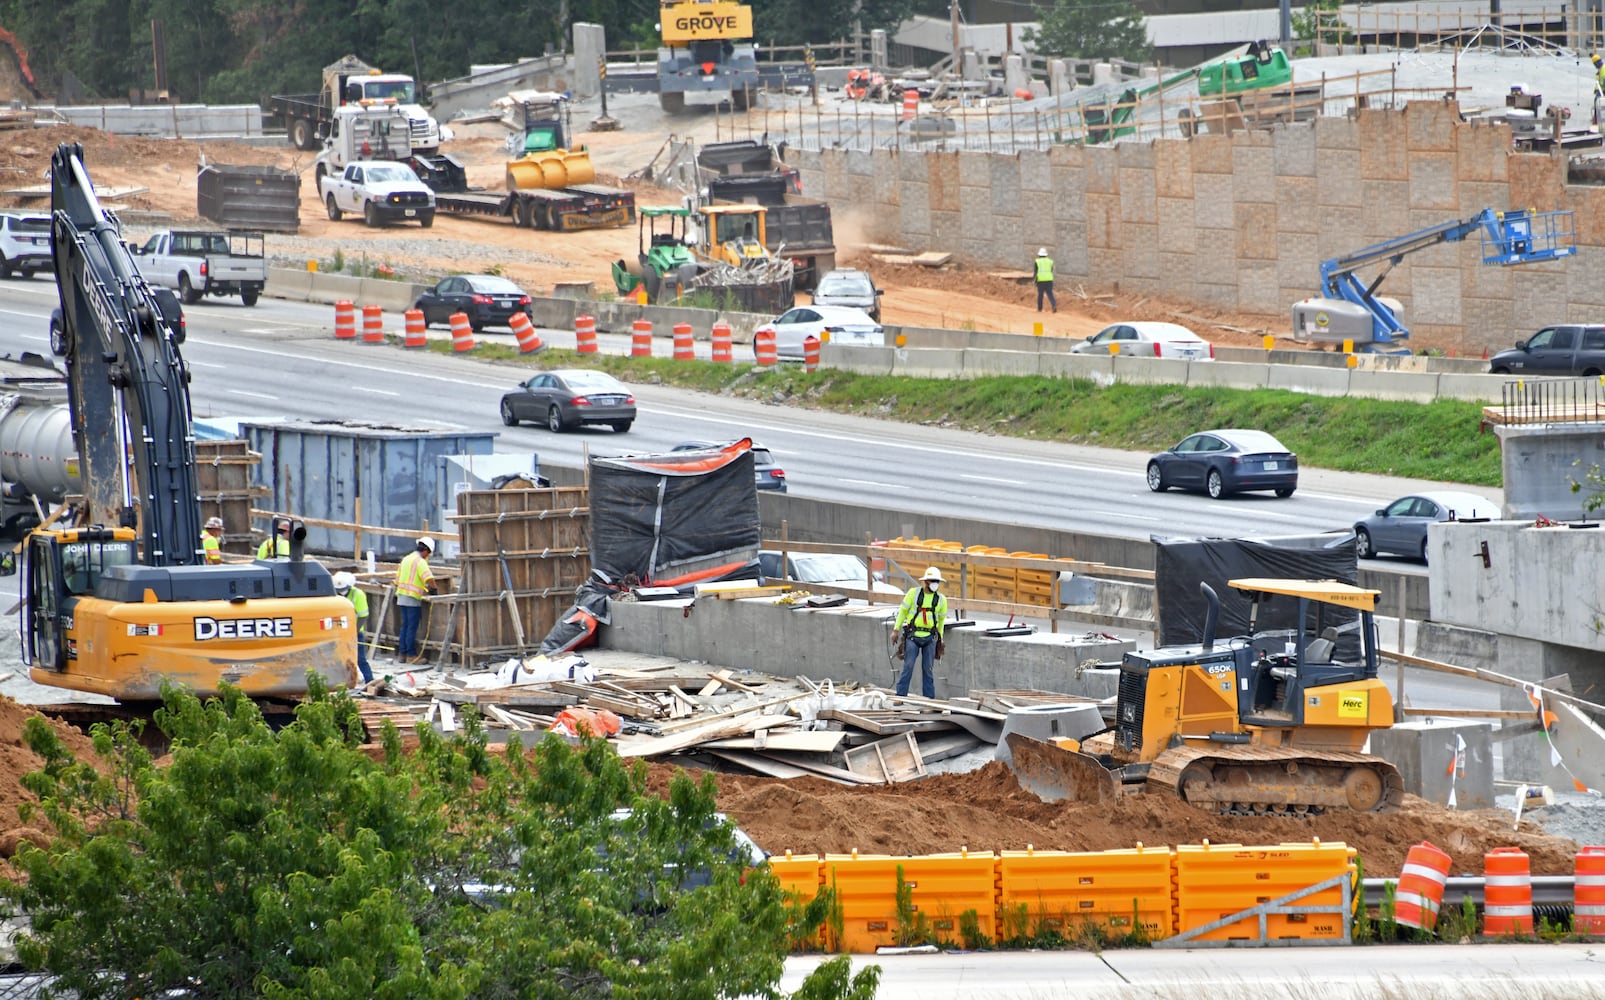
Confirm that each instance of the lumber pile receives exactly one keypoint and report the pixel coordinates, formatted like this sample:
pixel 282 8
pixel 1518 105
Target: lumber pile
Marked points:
pixel 720 718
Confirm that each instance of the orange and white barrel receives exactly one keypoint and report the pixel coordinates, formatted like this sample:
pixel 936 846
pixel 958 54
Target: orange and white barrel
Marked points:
pixel 585 334
pixel 684 348
pixel 1507 893
pixel 373 325
pixel 721 343
pixel 1419 896
pixel 1588 900
pixel 462 333
pixel 763 346
pixel 911 104
pixel 810 353
pixel 345 320
pixel 528 341
pixel 641 339
pixel 416 330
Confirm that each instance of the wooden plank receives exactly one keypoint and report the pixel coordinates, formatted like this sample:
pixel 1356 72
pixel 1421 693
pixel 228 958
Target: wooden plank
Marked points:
pixel 776 768
pixel 876 723
pixel 653 746
pixel 896 758
pixel 505 718
pixel 818 741
pixel 510 698
pixel 715 682
pixel 619 706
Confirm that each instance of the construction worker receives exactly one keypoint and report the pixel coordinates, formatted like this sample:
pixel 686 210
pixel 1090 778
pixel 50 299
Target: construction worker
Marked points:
pixel 1045 280
pixel 212 541
pixel 345 584
pixel 922 618
pixel 413 581
pixel 1599 74
pixel 267 549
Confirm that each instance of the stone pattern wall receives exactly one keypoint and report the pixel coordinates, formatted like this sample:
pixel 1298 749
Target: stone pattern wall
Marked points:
pixel 1243 222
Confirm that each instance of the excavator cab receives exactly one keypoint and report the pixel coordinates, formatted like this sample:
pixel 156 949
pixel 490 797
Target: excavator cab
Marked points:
pixel 58 567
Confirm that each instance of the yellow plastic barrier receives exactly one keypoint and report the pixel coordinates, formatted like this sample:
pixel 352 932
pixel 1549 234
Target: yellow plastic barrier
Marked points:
pixel 1124 892
pixel 1217 880
pixel 944 887
pixel 1035 585
pixel 941 888
pixel 866 894
pixel 801 876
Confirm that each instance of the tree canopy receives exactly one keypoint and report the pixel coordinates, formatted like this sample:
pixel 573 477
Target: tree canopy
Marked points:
pixel 246 50
pixel 297 863
pixel 1090 29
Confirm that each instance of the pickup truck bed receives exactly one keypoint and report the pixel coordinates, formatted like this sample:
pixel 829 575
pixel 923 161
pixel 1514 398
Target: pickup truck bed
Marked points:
pixel 583 206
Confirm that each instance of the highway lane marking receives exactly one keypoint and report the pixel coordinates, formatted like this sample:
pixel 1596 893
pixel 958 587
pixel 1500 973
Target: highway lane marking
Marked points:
pixel 374 392
pixel 995 479
pixel 871 482
pixel 253 395
pixel 206 364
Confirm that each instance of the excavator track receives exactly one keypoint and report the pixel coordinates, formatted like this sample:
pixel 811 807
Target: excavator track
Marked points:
pixel 1282 781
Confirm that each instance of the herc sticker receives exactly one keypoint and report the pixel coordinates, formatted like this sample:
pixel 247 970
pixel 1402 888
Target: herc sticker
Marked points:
pixel 1353 704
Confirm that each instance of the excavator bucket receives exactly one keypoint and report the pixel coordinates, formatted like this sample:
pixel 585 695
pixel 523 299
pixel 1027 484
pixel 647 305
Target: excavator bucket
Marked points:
pixel 558 168
pixel 1054 774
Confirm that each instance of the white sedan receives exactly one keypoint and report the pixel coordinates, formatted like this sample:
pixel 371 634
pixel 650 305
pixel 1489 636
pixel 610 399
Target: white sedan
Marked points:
pixel 838 324
pixel 1148 340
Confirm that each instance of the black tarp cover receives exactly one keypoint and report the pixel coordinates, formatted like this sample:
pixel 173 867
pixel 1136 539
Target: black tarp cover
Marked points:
pixel 657 519
pixel 1181 563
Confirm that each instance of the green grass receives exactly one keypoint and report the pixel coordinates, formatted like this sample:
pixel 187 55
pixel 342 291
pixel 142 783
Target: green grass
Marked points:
pixel 1440 440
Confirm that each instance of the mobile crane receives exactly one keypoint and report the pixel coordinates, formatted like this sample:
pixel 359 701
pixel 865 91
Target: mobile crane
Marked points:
pixel 707 48
pixel 120 597
pixel 1348 309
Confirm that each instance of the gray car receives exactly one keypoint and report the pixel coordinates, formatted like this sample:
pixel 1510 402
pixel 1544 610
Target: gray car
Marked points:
pixel 569 397
pixel 848 286
pixel 1401 527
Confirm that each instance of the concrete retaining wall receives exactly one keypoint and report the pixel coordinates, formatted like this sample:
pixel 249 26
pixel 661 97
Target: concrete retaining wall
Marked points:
pixel 1244 221
pixel 183 121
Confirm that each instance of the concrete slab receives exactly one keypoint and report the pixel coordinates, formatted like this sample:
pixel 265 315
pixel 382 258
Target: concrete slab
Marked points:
pixel 863 360
pixel 986 362
pixel 391 296
pixel 1417 387
pixel 1425 752
pixel 1152 371
pixel 292 283
pixel 929 363
pixel 1099 368
pixel 1307 379
pixel 1229 375
pixel 1481 387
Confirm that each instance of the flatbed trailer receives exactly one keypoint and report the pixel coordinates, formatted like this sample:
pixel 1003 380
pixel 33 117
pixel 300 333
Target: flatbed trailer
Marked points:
pixel 564 210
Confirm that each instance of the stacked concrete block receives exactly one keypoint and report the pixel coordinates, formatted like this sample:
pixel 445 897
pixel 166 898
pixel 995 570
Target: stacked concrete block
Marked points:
pixel 913 200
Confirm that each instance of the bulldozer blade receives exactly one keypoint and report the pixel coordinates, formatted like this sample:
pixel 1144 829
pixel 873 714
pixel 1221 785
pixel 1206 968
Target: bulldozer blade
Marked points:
pixel 1054 774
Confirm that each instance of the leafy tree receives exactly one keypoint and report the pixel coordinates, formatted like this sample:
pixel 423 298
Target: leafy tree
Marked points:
pixel 291 863
pixel 792 22
pixel 1091 29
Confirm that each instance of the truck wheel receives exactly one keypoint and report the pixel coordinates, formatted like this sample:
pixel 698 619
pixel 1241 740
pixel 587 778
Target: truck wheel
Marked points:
pixel 301 134
pixel 334 210
pixel 186 291
pixel 523 216
pixel 426 220
pixel 370 217
pixel 5 267
pixel 249 298
pixel 740 99
pixel 672 103
pixel 318 173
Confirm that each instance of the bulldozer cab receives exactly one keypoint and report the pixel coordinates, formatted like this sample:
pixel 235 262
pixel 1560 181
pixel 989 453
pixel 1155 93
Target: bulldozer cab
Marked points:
pixel 1334 642
pixel 736 233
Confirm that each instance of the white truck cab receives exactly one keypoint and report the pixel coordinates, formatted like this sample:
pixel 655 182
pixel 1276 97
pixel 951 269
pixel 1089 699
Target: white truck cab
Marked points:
pixel 380 191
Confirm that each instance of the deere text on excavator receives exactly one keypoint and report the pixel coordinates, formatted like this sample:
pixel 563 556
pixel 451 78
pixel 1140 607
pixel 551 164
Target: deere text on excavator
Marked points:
pixel 121 598
pixel 1271 723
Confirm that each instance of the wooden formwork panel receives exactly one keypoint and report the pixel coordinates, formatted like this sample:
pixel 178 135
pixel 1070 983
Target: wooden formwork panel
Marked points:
pixel 532 542
pixel 223 481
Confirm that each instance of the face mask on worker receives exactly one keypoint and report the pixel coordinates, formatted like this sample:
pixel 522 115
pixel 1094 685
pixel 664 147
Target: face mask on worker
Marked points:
pixel 933 584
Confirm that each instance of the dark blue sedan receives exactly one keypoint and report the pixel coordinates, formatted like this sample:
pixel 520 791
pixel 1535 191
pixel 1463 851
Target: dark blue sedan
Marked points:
pixel 1224 462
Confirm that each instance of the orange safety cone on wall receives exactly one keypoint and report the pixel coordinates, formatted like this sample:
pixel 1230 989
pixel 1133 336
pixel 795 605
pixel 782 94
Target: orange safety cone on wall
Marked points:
pixel 462 333
pixel 721 343
pixel 345 320
pixel 528 341
pixel 585 334
pixel 1507 893
pixel 763 346
pixel 1588 892
pixel 1420 891
pixel 911 104
pixel 684 348
pixel 417 331
pixel 641 339
pixel 373 325
pixel 810 354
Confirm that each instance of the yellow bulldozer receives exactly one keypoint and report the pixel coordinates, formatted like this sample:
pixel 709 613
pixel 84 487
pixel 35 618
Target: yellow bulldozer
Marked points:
pixel 1271 723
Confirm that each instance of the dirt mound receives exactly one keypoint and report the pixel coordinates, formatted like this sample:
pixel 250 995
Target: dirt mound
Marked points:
pixel 17 760
pixel 987 810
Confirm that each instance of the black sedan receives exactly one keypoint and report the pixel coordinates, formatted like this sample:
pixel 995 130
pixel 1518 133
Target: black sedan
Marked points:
pixel 570 397
pixel 485 299
pixel 1226 461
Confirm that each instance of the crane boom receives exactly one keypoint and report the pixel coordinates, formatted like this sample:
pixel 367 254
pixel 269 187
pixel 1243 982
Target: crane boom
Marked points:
pixel 122 360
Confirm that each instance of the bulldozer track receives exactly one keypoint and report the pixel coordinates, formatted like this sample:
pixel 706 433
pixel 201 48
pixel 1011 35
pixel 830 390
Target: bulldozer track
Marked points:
pixel 1289 781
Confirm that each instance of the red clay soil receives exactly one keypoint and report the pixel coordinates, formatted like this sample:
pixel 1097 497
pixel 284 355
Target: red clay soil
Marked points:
pixel 17 760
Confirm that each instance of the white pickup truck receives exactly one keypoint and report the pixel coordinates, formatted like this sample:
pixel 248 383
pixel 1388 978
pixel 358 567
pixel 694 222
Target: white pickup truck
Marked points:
pixel 196 263
pixel 381 190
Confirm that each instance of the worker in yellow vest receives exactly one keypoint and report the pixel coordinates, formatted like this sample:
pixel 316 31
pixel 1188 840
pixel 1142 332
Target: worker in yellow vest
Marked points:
pixel 212 541
pixel 923 620
pixel 1045 280
pixel 267 550
pixel 345 584
pixel 414 581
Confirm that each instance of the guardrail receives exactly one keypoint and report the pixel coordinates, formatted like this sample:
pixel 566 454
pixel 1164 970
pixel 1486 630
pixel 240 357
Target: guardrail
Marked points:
pixel 1549 401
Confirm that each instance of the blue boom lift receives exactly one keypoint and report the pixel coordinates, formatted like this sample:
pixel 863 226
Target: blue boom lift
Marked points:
pixel 1350 309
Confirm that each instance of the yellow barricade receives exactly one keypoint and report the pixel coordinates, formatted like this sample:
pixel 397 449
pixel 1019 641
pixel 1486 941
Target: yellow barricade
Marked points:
pixel 990 583
pixel 1035 585
pixel 1217 880
pixel 944 887
pixel 866 894
pixel 800 878
pixel 941 887
pixel 1124 892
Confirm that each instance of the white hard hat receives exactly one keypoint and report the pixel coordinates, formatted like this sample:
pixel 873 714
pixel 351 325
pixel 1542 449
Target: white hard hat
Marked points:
pixel 344 581
pixel 932 574
pixel 1043 252
pixel 427 543
pixel 214 522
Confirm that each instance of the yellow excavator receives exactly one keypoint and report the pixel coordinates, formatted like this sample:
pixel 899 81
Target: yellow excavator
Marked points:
pixel 1271 723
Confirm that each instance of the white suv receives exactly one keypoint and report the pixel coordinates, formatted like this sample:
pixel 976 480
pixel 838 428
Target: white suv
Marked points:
pixel 24 243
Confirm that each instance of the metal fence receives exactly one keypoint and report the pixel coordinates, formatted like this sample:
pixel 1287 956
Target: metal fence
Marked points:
pixel 1549 401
